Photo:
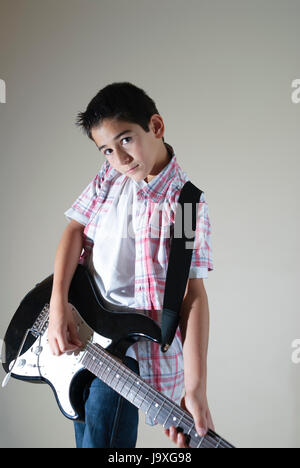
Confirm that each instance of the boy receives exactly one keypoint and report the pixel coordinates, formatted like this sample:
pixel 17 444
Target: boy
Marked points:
pixel 140 172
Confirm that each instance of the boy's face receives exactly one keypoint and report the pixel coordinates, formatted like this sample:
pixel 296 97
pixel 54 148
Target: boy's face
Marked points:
pixel 128 145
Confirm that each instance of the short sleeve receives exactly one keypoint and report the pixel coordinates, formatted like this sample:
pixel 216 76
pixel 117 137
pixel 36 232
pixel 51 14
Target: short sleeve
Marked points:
pixel 82 208
pixel 201 262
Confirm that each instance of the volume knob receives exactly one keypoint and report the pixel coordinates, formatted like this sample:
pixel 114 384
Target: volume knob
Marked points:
pixel 38 350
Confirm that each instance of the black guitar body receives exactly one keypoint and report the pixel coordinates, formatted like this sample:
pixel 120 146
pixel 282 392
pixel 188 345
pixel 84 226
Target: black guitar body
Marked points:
pixel 123 328
pixel 106 331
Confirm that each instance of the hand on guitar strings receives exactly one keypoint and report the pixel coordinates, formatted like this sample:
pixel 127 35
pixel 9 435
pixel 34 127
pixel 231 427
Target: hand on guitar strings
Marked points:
pixel 62 330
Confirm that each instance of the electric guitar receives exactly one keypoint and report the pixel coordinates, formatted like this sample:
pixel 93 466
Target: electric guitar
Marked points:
pixel 106 332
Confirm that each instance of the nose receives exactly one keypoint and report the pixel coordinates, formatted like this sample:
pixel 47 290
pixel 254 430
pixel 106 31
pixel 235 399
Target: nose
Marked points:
pixel 123 158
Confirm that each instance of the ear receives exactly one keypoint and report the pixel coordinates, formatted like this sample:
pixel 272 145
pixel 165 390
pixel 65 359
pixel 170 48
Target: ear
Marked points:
pixel 158 126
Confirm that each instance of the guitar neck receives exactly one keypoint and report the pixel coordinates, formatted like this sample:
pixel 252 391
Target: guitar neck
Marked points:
pixel 145 397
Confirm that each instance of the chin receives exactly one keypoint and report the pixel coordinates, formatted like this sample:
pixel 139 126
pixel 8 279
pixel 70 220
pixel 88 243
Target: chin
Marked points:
pixel 137 177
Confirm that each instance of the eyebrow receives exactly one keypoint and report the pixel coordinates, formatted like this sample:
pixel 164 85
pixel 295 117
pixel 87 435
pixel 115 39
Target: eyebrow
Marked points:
pixel 115 138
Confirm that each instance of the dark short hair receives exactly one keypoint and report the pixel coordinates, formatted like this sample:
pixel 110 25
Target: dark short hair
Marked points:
pixel 121 101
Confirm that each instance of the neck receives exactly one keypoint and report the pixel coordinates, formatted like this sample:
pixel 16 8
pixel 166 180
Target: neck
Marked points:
pixel 163 159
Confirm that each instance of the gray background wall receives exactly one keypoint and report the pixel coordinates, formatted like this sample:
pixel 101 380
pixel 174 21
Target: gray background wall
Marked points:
pixel 220 73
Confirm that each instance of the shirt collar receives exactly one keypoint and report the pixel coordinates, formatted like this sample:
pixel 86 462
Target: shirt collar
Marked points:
pixel 157 187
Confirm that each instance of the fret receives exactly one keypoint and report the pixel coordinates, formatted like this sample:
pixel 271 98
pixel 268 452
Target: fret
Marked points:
pixel 131 392
pixel 103 375
pixel 218 442
pixel 201 440
pixel 167 418
pixel 101 369
pixel 124 384
pixel 127 387
pixel 100 365
pixel 140 386
pixel 109 373
pixel 134 381
pixel 197 441
pixel 118 377
pixel 181 418
pixel 209 441
pixel 109 366
pixel 142 393
pixel 189 436
pixel 161 406
pixel 130 386
pixel 150 406
pixel 190 429
pixel 158 408
pixel 144 399
pixel 180 423
pixel 115 375
pixel 123 377
pixel 85 360
pixel 93 364
pixel 170 414
pixel 187 426
pixel 144 396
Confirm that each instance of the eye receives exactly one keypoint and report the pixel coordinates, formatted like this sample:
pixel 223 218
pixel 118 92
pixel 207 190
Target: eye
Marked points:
pixel 125 138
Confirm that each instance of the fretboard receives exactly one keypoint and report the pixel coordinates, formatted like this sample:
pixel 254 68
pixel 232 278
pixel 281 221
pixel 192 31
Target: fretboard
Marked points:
pixel 145 397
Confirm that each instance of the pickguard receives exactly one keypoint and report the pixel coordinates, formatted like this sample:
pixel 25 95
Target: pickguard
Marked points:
pixel 38 362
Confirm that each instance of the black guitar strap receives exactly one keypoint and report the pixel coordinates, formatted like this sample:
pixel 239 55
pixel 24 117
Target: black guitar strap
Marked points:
pixel 179 261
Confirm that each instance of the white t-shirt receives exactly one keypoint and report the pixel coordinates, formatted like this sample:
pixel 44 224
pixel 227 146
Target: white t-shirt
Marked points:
pixel 112 261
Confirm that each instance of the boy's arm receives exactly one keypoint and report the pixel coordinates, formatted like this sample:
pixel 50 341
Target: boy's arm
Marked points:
pixel 66 259
pixel 194 327
pixel 62 332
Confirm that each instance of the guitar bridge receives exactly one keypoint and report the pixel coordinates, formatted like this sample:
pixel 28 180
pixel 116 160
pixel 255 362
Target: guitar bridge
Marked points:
pixel 40 325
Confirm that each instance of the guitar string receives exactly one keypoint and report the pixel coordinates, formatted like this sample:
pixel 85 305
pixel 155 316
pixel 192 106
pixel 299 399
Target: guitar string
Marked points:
pixel 186 418
pixel 162 399
pixel 102 353
pixel 111 361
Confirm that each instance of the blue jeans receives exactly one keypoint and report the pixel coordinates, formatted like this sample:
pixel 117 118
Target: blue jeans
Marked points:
pixel 111 421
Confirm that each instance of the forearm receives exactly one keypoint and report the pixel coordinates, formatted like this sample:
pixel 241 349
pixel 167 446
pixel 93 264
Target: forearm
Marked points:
pixel 66 260
pixel 194 326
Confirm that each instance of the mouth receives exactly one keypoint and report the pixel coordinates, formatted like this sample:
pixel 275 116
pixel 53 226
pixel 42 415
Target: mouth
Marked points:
pixel 132 169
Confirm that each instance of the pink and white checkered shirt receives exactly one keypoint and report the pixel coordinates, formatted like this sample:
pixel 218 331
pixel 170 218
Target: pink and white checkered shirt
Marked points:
pixel 162 370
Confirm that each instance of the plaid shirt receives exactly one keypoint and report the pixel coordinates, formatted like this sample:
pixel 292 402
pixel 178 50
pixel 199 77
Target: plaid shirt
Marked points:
pixel 155 218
